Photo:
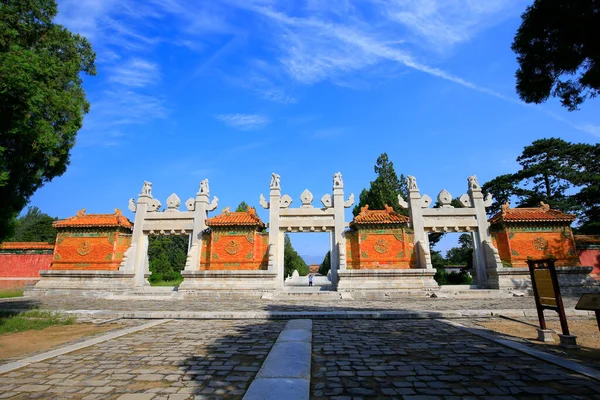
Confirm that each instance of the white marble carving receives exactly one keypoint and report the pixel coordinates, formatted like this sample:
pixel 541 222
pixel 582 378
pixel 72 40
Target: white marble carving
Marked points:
pixel 402 203
pixel 263 202
pixel 275 184
pixel 154 205
pixel 487 202
pixel 285 201
pixel 190 204
pixel 132 206
pixel 465 200
pixel 147 189
pixel 473 184
pixel 173 202
pixel 348 203
pixel 306 198
pixel 412 183
pixel 425 201
pixel 445 198
pixel 213 204
pixel 327 201
pixel 337 180
pixel 204 186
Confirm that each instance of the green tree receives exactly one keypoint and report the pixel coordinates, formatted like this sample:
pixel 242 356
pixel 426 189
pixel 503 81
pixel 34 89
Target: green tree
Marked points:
pixel 292 260
pixel 565 175
pixel 242 207
pixel 384 189
pixel 34 226
pixel 42 101
pixel 463 254
pixel 167 256
pixel 326 264
pixel 557 52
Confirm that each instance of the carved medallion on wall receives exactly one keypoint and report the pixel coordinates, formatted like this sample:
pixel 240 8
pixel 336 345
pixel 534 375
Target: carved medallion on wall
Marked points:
pixel 381 246
pixel 84 248
pixel 232 247
pixel 539 243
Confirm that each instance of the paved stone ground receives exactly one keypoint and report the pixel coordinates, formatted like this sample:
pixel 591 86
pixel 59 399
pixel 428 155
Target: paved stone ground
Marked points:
pixel 372 359
pixel 250 304
pixel 175 360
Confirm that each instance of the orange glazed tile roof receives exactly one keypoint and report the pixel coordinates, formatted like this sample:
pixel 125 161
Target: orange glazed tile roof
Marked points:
pixel 26 246
pixel 240 218
pixel 387 216
pixel 83 220
pixel 543 213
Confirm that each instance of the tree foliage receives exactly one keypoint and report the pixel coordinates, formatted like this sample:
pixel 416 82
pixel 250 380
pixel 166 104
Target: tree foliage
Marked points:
pixel 42 101
pixel 292 260
pixel 384 189
pixel 167 256
pixel 565 175
pixel 34 226
pixel 242 207
pixel 557 52
pixel 326 264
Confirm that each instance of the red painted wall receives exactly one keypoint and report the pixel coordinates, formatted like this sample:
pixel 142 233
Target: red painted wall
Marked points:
pixel 14 266
pixel 591 258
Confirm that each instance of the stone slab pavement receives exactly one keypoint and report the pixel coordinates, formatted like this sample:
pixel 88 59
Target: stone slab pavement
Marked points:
pixel 216 304
pixel 175 360
pixel 430 359
pixel 356 359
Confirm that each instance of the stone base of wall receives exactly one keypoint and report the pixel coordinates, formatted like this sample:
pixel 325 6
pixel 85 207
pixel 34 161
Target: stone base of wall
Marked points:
pixel 570 279
pixel 99 282
pixel 389 279
pixel 195 281
pixel 17 283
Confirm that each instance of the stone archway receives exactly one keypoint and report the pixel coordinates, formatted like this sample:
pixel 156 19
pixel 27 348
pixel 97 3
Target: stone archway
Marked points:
pixel 306 218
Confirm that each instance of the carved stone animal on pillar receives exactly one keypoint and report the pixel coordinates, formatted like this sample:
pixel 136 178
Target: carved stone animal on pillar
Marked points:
pixel 147 189
pixel 204 186
pixel 337 180
pixel 412 183
pixel 473 184
pixel 275 181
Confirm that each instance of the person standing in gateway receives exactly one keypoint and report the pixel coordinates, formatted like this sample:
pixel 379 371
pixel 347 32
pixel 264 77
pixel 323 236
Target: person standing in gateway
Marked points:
pixel 310 279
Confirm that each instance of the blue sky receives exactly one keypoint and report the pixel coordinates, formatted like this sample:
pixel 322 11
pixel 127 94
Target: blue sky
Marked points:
pixel 233 90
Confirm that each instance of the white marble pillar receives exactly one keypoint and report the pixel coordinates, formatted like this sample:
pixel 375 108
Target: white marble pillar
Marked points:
pixel 201 209
pixel 275 236
pixel 338 259
pixel 138 239
pixel 421 238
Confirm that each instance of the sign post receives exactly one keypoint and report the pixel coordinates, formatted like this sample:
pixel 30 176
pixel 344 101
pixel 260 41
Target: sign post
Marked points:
pixel 546 292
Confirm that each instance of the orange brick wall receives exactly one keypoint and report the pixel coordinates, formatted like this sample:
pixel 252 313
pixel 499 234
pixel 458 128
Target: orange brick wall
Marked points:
pixel 22 265
pixel 234 250
pixel 380 249
pixel 90 250
pixel 516 245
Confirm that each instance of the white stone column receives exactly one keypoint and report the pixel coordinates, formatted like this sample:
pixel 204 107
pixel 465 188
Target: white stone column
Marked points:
pixel 275 242
pixel 201 209
pixel 338 259
pixel 138 239
pixel 482 237
pixel 421 238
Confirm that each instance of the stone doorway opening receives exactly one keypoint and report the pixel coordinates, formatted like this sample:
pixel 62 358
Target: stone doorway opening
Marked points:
pixel 303 257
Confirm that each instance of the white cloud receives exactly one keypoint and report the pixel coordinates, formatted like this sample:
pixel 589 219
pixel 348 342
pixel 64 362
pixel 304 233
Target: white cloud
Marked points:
pixel 243 121
pixel 135 72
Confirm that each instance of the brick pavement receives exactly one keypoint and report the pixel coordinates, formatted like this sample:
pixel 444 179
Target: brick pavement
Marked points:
pixel 362 358
pixel 252 304
pixel 176 360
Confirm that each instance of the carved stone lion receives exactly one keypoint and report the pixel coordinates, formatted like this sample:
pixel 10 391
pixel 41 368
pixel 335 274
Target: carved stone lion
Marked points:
pixel 275 181
pixel 204 186
pixel 147 188
pixel 473 184
pixel 412 183
pixel 337 180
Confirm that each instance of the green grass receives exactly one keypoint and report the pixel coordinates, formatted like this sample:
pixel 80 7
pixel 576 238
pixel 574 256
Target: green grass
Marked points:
pixel 11 322
pixel 4 294
pixel 175 282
